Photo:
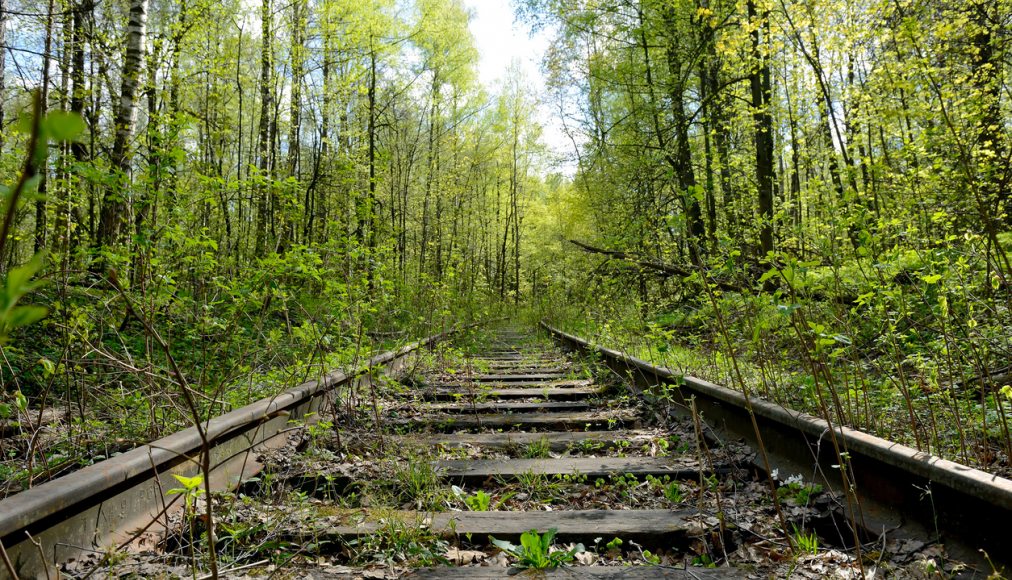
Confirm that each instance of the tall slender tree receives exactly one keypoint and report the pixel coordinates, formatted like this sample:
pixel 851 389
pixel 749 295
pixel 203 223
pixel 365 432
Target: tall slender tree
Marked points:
pixel 114 200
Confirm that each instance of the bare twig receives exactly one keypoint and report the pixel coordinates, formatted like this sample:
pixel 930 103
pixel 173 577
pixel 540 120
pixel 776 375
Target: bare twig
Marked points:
pixel 42 554
pixel 7 562
pixel 185 389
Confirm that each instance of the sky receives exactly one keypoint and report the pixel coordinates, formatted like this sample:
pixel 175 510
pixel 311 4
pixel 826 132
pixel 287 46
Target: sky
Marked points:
pixel 501 40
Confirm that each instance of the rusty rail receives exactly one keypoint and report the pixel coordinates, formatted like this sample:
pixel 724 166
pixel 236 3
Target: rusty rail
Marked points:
pixel 902 490
pixel 102 505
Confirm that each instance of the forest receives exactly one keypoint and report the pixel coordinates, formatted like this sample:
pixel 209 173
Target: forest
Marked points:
pixel 209 201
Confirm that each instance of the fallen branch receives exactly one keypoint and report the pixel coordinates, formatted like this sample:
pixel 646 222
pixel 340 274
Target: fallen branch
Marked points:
pixel 675 270
pixel 670 269
pixel 988 382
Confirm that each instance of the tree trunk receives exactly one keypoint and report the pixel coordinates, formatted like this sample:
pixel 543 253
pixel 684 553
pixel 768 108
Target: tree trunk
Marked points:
pixel 759 81
pixel 681 159
pixel 716 125
pixel 433 163
pixel 295 117
pixel 850 126
pixel 148 196
pixel 40 204
pixel 830 127
pixel 514 200
pixel 3 66
pixel 78 91
pixel 718 115
pixel 316 220
pixel 114 207
pixel 990 152
pixel 706 40
pixel 170 167
pixel 795 179
pixel 263 186
pixel 371 211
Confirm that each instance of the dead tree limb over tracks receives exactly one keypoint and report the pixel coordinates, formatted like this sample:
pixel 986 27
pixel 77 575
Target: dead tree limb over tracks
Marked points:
pixel 663 267
pixel 722 283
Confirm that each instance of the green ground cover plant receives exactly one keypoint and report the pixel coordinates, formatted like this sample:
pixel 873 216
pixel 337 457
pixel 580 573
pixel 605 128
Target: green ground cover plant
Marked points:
pixel 535 551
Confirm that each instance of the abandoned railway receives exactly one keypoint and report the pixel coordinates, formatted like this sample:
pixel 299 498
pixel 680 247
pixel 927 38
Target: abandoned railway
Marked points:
pixel 473 455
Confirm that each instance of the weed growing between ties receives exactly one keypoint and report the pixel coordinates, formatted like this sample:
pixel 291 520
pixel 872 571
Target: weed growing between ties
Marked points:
pixel 537 551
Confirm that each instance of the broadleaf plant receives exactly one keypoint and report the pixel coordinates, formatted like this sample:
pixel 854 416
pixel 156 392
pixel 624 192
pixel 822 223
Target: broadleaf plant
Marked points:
pixel 535 550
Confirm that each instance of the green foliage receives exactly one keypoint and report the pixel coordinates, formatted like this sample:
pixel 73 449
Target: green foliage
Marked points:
pixel 19 283
pixel 260 269
pixel 540 449
pixel 59 127
pixel 797 491
pixel 886 292
pixel 673 492
pixel 417 482
pixel 808 543
pixel 233 537
pixel 399 542
pixel 63 126
pixel 480 501
pixel 538 487
pixel 317 430
pixel 703 561
pixel 535 550
pixel 191 490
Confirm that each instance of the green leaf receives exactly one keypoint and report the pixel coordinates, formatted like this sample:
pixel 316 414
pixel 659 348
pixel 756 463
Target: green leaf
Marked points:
pixel 530 541
pixel 769 274
pixel 190 483
pixel 503 545
pixel 787 309
pixel 19 279
pixel 25 315
pixel 63 126
pixel 548 537
pixel 931 278
pixel 48 366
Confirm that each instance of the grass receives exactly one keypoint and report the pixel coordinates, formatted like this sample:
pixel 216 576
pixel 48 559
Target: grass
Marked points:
pixel 538 487
pixel 398 542
pixel 540 449
pixel 807 543
pixel 417 482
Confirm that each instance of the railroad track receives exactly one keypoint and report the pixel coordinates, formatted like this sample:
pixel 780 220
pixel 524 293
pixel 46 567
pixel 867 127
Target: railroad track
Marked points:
pixel 511 435
pixel 522 411
pixel 527 440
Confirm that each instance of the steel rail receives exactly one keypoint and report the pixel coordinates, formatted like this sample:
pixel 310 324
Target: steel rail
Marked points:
pixel 903 491
pixel 102 505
